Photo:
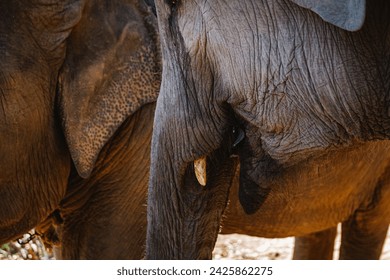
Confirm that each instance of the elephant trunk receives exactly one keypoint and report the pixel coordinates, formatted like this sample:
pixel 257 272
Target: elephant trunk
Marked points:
pixel 183 220
pixel 183 214
pixel 175 228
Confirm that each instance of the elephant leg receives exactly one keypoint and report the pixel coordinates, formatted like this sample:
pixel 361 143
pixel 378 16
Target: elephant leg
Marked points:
pixel 362 240
pixel 364 233
pixel 315 246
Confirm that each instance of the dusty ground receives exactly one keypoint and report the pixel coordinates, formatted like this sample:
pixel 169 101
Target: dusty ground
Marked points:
pixel 243 247
pixel 236 246
pixel 233 246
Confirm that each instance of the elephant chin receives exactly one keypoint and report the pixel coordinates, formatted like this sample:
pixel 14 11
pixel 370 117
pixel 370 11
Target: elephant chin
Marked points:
pixel 251 194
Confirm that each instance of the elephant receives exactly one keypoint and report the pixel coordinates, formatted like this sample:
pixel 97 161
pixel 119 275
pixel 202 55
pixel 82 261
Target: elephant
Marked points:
pixel 78 85
pixel 285 103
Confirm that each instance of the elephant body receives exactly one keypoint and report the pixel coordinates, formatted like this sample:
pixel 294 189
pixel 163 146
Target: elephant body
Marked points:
pixel 78 82
pixel 313 197
pixel 312 101
pixel 307 195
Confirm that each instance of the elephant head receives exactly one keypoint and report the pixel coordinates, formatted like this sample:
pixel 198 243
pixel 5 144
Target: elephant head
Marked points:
pixel 71 72
pixel 267 83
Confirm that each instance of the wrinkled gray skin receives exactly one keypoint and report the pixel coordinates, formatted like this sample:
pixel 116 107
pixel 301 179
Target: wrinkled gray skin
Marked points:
pixel 313 100
pixel 77 82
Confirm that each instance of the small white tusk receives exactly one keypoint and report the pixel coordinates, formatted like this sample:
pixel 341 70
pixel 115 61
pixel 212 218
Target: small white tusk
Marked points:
pixel 200 170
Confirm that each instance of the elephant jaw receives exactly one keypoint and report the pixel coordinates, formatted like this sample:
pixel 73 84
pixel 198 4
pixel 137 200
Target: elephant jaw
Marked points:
pixel 200 167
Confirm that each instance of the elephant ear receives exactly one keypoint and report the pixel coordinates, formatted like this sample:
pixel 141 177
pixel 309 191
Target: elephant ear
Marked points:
pixel 346 14
pixel 111 69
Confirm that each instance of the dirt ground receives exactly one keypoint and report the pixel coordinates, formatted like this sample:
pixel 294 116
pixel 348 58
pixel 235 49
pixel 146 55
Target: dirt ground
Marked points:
pixel 232 246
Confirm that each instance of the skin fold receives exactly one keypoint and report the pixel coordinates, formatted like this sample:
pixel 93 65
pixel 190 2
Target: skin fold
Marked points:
pixel 78 81
pixel 313 102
